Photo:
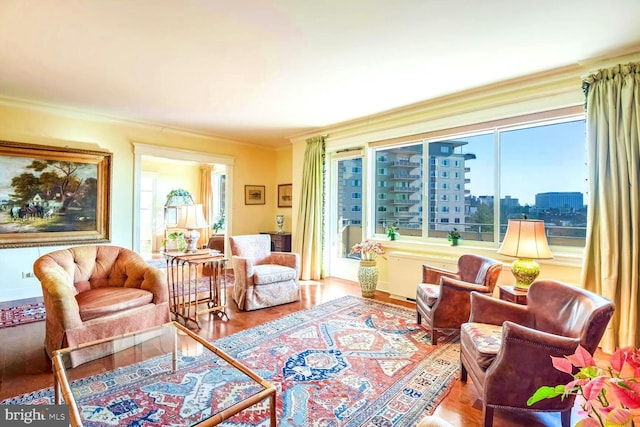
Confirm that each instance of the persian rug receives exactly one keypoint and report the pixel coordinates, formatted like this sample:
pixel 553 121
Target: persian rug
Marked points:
pixel 21 314
pixel 349 362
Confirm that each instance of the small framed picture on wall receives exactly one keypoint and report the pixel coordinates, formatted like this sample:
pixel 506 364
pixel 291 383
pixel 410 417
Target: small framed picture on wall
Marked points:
pixel 285 196
pixel 254 195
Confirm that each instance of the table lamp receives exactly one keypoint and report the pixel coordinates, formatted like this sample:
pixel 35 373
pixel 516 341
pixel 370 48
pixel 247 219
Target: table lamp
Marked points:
pixel 526 240
pixel 192 218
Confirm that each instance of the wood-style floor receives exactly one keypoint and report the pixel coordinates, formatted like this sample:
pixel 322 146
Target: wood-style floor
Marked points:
pixel 25 367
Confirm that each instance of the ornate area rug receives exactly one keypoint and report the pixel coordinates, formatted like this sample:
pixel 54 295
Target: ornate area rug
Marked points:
pixel 21 314
pixel 348 362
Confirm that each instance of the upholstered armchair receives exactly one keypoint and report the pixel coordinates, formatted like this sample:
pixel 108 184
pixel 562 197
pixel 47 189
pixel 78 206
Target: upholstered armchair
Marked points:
pixel 506 348
pixel 263 278
pixel 442 298
pixel 98 291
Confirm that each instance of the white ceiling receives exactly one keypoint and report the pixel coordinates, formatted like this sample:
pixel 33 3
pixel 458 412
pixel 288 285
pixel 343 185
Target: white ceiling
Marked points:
pixel 261 71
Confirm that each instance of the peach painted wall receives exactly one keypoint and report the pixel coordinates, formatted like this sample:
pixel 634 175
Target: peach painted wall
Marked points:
pixel 34 124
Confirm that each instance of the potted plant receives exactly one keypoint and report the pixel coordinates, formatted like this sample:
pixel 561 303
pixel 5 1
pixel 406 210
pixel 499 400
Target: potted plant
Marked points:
pixel 454 236
pixel 219 223
pixel 611 395
pixel 175 241
pixel 392 232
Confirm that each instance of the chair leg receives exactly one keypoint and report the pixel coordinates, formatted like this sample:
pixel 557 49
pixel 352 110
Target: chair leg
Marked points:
pixel 487 414
pixel 463 373
pixel 434 336
pixel 418 318
pixel 565 416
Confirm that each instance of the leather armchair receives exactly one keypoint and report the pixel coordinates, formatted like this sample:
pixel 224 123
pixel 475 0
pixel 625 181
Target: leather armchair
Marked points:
pixel 506 348
pixel 95 292
pixel 443 296
pixel 263 278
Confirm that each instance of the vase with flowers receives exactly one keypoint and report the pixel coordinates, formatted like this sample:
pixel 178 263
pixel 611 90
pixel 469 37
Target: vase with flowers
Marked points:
pixel 368 269
pixel 610 395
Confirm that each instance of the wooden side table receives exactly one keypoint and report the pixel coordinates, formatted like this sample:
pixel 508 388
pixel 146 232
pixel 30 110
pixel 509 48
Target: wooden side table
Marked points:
pixel 184 281
pixel 280 242
pixel 511 294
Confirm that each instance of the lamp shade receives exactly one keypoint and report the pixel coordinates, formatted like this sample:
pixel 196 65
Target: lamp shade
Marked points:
pixel 525 238
pixel 192 216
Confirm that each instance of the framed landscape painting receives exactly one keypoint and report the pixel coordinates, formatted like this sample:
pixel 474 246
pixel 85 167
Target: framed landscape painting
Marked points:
pixel 285 197
pixel 254 195
pixel 53 195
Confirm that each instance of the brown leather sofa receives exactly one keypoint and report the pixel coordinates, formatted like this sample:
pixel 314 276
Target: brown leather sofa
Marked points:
pixel 98 291
pixel 263 278
pixel 442 298
pixel 506 348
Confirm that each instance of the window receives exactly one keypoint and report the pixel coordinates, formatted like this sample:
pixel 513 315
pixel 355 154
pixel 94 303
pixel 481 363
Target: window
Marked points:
pixel 355 195
pixel 356 183
pixel 348 219
pixel 382 184
pixel 548 182
pixel 382 171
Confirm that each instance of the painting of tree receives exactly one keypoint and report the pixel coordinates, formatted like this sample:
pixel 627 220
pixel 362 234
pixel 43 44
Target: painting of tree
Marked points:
pixel 53 191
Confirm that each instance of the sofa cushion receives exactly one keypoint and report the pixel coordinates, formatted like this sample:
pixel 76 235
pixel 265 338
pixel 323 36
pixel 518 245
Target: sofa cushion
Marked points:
pixel 428 293
pixel 265 274
pixel 104 301
pixel 482 340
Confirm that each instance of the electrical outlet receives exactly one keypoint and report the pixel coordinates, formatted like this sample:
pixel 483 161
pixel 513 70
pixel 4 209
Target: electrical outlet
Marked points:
pixel 27 275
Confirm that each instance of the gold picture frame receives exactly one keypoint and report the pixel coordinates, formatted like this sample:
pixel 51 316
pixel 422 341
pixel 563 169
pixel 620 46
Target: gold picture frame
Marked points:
pixel 285 195
pixel 53 195
pixel 254 195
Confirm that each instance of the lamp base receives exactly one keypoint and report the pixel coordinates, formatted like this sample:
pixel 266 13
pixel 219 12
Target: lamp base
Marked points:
pixel 192 237
pixel 525 271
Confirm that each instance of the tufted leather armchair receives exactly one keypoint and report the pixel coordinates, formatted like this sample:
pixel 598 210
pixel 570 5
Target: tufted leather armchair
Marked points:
pixel 506 348
pixel 263 278
pixel 98 291
pixel 443 296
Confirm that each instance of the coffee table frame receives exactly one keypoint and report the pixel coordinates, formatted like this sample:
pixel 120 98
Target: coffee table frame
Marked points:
pixel 62 387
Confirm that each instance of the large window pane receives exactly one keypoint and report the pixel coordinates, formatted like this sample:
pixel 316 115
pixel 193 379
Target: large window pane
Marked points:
pixel 349 204
pixel 543 175
pixel 460 187
pixel 398 189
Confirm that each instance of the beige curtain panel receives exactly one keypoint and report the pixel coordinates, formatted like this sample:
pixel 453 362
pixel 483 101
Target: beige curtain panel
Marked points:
pixel 206 196
pixel 613 237
pixel 310 214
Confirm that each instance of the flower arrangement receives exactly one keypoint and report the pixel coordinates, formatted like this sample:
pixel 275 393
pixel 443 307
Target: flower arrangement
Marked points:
pixel 611 395
pixel 368 250
pixel 453 234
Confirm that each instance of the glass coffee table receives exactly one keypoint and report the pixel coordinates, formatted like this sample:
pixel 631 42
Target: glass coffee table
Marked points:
pixel 165 376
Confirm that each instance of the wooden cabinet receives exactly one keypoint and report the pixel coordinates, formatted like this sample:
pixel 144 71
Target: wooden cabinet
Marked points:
pixel 511 294
pixel 279 242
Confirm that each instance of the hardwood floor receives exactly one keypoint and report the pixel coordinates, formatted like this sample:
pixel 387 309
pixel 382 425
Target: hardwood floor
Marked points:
pixel 25 367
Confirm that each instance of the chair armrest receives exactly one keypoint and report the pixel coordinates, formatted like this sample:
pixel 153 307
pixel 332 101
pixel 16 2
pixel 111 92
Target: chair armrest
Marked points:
pixel 242 268
pixel 288 259
pixel 432 274
pixel 59 295
pixel 486 309
pixel 461 285
pixel 526 353
pixel 155 281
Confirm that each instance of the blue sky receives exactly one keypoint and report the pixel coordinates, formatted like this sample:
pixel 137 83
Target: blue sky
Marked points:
pixel 533 160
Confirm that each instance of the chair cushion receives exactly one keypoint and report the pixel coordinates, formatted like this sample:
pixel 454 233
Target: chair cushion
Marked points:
pixel 428 293
pixel 265 274
pixel 482 340
pixel 104 301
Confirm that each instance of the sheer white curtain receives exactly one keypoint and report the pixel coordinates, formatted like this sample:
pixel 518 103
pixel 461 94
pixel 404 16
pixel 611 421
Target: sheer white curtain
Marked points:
pixel 613 234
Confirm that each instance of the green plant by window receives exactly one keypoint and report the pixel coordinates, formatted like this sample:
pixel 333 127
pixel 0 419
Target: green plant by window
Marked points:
pixel 453 234
pixel 219 223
